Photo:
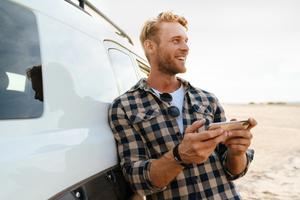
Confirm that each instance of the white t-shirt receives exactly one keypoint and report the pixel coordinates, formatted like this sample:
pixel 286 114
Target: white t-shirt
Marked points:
pixel 178 98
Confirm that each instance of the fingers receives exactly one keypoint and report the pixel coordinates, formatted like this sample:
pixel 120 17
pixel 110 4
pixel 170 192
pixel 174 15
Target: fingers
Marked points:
pixel 238 141
pixel 195 126
pixel 238 148
pixel 207 135
pixel 209 144
pixel 239 134
pixel 216 140
pixel 252 123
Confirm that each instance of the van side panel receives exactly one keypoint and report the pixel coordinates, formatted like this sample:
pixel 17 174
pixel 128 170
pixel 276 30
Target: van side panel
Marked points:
pixel 71 141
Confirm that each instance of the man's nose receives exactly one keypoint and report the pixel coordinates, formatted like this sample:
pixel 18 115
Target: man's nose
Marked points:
pixel 184 46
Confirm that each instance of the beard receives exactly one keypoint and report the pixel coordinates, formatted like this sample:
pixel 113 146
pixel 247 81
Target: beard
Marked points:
pixel 168 65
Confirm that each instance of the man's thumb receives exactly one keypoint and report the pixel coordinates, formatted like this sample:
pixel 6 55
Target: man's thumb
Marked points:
pixel 195 126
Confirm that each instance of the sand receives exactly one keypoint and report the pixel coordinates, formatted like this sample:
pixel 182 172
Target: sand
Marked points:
pixel 275 171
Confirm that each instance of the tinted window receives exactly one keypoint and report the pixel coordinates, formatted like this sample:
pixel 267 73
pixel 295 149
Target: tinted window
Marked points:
pixel 124 69
pixel 21 90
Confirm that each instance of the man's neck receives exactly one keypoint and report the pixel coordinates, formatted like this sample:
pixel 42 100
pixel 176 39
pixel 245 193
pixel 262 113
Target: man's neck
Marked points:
pixel 163 82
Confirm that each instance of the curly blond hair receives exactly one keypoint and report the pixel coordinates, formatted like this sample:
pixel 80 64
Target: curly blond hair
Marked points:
pixel 151 27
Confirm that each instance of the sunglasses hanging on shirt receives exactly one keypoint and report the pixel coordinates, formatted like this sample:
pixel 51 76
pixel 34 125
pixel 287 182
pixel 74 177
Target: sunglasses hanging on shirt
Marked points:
pixel 172 110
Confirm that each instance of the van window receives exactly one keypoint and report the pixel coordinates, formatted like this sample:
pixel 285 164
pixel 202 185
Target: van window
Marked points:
pixel 144 69
pixel 21 89
pixel 124 69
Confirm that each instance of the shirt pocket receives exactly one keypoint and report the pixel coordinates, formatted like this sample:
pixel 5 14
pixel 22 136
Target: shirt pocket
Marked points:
pixel 203 112
pixel 144 116
pixel 151 124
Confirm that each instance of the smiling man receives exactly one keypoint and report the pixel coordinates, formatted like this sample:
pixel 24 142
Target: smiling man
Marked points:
pixel 166 152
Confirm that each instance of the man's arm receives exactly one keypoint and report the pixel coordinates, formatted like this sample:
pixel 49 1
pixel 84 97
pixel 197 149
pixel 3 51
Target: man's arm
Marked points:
pixel 238 143
pixel 133 154
pixel 235 162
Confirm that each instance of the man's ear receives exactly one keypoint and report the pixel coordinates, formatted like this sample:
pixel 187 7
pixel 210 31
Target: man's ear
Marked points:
pixel 149 46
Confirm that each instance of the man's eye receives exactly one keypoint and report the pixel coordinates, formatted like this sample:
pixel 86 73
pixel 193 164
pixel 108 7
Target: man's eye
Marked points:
pixel 175 41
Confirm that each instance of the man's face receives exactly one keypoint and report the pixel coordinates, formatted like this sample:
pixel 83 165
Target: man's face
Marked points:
pixel 172 49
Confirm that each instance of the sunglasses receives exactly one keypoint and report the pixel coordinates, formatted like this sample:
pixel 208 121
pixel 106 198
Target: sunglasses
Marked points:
pixel 172 110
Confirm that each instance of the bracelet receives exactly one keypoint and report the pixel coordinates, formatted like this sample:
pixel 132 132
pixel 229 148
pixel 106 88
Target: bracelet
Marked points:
pixel 177 156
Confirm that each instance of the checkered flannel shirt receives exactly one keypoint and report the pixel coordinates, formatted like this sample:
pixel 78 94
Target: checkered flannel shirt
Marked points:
pixel 144 131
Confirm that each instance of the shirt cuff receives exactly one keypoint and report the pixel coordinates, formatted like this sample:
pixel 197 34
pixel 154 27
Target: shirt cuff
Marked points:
pixel 146 174
pixel 230 176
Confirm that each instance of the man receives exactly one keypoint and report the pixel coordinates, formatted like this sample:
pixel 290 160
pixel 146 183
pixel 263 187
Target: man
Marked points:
pixel 160 124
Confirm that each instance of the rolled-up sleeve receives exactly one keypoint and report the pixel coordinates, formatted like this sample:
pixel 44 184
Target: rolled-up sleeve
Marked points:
pixel 230 176
pixel 132 152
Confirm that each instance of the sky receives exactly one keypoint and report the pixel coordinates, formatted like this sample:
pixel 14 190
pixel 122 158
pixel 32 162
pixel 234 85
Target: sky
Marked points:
pixel 242 51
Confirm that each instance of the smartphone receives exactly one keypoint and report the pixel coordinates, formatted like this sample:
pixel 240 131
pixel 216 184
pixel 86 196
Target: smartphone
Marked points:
pixel 228 126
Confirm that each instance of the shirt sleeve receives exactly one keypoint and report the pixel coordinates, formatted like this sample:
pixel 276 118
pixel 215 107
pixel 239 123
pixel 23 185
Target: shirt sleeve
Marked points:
pixel 230 176
pixel 219 116
pixel 132 152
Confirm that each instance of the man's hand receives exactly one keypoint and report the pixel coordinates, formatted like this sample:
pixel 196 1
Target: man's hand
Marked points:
pixel 194 148
pixel 238 141
pixel 197 147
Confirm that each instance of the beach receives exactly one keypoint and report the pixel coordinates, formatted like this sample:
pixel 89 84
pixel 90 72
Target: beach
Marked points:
pixel 274 173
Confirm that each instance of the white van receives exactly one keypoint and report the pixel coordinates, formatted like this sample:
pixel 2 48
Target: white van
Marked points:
pixel 62 63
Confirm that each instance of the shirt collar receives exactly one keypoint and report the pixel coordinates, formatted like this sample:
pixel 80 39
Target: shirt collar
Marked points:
pixel 188 88
pixel 143 85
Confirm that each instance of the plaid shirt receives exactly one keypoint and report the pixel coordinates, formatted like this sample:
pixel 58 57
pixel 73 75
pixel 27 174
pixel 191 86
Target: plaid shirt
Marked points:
pixel 144 131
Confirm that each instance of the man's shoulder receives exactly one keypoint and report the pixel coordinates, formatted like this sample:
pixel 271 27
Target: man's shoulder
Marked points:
pixel 129 96
pixel 197 92
pixel 125 97
pixel 203 95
